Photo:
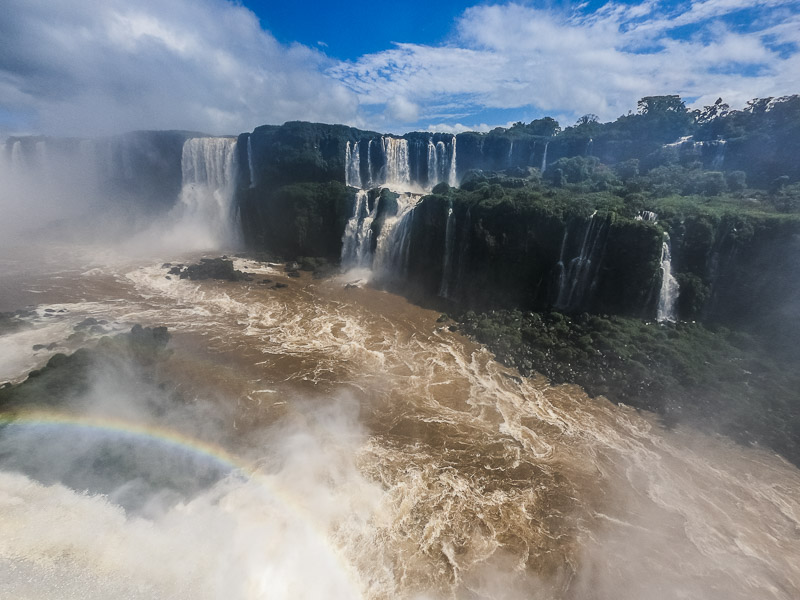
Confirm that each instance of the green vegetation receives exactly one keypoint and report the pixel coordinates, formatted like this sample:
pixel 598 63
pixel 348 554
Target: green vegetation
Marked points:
pixel 711 378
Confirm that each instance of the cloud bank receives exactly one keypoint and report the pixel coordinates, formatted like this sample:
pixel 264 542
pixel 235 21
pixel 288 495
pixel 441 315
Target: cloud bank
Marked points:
pixel 571 63
pixel 80 67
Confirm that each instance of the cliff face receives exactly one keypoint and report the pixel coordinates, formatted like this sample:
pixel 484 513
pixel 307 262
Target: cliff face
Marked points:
pixel 485 249
pixel 504 256
pixel 556 228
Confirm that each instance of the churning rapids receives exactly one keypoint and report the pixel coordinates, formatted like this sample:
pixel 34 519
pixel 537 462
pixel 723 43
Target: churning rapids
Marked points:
pixel 368 452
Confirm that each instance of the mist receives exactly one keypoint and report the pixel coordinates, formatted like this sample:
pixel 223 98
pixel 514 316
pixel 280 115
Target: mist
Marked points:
pixel 133 514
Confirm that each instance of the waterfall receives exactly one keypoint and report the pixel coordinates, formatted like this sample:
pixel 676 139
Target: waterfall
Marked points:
pixel 352 165
pixel 441 163
pixel 575 279
pixel 433 176
pixel 357 238
pixel 369 164
pixel 396 170
pixel 646 215
pixel 544 156
pixel 452 179
pixel 17 157
pixel 394 241
pixel 205 211
pixel 668 297
pixel 250 164
pixel 447 261
pixel 719 155
pixel 511 153
pixel 441 156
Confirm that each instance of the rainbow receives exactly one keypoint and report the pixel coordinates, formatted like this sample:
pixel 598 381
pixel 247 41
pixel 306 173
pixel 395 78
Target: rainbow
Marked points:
pixel 171 439
pixel 145 432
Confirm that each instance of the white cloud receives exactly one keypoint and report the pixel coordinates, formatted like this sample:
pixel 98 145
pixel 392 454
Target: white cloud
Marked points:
pixel 458 128
pixel 82 66
pixel 402 109
pixel 512 56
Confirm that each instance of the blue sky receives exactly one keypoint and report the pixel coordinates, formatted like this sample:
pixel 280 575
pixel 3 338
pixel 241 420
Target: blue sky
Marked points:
pixel 79 67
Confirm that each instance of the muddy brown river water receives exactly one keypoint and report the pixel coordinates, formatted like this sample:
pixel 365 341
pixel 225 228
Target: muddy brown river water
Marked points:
pixel 374 454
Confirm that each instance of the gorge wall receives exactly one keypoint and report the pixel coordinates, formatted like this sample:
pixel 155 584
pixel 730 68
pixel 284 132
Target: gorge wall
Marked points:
pixel 390 203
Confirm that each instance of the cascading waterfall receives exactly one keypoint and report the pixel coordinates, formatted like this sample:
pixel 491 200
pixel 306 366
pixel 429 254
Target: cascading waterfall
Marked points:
pixel 447 259
pixel 511 153
pixel 352 173
pixel 719 155
pixel 396 171
pixel 433 164
pixel 205 211
pixel 394 240
pixel 17 157
pixel 453 179
pixel 369 164
pixel 250 162
pixel 647 215
pixel 357 238
pixel 668 297
pixel 575 279
pixel 544 157
pixel 441 163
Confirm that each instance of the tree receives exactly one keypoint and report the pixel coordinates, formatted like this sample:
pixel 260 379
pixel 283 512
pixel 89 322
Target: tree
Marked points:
pixel 661 105
pixel 709 113
pixel 547 127
pixel 664 118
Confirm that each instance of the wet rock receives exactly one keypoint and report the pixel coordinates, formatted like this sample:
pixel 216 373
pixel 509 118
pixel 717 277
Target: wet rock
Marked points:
pixel 292 266
pixel 265 281
pixel 85 324
pixel 280 285
pixel 293 273
pixel 37 347
pixel 213 268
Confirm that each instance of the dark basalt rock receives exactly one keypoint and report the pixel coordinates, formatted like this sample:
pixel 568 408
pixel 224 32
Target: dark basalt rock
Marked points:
pixel 87 323
pixel 212 268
